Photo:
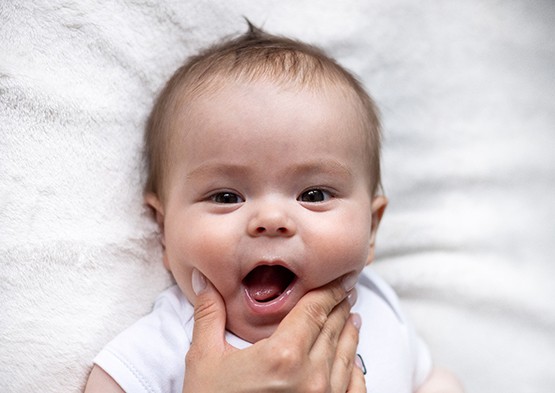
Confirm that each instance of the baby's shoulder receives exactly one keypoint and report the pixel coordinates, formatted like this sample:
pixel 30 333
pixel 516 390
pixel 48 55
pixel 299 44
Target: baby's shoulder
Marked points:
pixel 150 352
pixel 374 292
pixel 387 333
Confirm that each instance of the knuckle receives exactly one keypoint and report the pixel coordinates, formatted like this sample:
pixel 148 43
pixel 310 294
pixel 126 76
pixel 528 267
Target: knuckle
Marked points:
pixel 346 361
pixel 329 333
pixel 351 334
pixel 205 310
pixel 332 293
pixel 287 357
pixel 317 313
pixel 338 293
pixel 343 309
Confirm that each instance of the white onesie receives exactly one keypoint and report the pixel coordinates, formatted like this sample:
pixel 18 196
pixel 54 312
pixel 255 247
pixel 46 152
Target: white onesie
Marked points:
pixel 149 356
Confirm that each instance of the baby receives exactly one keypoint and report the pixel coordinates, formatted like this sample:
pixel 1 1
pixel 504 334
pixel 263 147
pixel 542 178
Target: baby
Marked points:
pixel 264 176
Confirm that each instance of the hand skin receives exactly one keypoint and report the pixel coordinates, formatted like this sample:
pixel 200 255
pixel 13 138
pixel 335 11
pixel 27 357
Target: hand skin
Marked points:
pixel 312 350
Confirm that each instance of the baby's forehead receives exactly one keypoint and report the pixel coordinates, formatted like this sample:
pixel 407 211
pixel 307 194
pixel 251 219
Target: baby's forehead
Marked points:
pixel 235 87
pixel 266 110
pixel 202 101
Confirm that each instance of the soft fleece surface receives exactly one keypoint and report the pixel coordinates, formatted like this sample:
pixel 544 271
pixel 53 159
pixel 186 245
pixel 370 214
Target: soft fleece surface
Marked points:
pixel 466 91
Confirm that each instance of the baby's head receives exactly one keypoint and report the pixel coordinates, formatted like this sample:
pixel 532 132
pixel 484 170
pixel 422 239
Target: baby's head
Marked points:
pixel 253 57
pixel 263 170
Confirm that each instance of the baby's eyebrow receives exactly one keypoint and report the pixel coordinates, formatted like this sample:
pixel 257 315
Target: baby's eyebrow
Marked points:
pixel 308 168
pixel 331 167
pixel 212 169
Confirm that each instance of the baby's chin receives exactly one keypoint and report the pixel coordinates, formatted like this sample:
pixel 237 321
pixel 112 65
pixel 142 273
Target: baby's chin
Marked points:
pixel 252 334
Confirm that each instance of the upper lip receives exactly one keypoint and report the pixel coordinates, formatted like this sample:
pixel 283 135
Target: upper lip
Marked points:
pixel 271 262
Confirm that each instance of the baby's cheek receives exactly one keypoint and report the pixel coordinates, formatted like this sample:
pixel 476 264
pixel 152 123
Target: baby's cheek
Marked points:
pixel 215 257
pixel 343 250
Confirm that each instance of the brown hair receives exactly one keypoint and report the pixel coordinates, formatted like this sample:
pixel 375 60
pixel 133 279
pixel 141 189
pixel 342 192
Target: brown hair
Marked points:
pixel 252 56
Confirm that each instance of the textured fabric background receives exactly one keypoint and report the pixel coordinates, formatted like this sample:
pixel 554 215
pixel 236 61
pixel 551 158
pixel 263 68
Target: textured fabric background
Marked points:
pixel 466 93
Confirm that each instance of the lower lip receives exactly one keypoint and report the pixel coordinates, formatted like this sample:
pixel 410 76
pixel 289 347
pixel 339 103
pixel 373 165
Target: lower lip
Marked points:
pixel 280 305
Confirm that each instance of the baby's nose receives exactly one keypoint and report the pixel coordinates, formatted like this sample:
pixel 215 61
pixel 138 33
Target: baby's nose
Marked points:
pixel 272 220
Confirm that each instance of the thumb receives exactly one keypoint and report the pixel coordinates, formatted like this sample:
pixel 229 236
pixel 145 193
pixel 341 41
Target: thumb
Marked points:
pixel 210 315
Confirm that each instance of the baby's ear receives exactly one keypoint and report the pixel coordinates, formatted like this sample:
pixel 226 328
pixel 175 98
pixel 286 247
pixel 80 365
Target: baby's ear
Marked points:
pixel 154 203
pixel 379 203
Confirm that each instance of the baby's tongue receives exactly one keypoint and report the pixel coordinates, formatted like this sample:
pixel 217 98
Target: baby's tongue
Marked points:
pixel 266 283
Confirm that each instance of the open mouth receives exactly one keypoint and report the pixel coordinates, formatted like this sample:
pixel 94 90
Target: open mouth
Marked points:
pixel 266 283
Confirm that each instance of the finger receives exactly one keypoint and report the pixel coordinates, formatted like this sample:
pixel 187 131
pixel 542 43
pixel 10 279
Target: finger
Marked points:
pixel 326 344
pixel 357 383
pixel 345 356
pixel 302 326
pixel 210 316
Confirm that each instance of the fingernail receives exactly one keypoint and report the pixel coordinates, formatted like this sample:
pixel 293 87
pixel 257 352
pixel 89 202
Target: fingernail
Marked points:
pixel 352 297
pixel 360 363
pixel 349 281
pixel 357 320
pixel 198 282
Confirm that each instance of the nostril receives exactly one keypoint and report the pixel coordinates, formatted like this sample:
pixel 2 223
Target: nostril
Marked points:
pixel 261 230
pixel 270 231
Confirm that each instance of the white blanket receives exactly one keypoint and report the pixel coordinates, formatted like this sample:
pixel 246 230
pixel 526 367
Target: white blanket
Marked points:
pixel 466 92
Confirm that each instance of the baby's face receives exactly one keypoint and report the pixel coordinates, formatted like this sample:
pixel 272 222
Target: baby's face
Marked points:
pixel 268 196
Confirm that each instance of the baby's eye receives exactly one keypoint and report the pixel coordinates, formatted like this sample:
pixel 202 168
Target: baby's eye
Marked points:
pixel 314 195
pixel 226 197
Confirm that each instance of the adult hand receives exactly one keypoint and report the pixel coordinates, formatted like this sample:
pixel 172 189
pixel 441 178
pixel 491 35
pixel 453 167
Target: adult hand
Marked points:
pixel 312 350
